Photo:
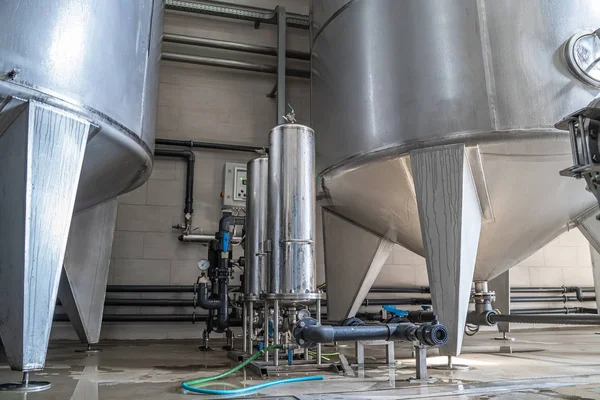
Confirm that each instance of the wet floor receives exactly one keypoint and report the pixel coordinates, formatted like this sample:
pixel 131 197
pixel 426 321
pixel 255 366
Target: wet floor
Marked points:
pixel 538 365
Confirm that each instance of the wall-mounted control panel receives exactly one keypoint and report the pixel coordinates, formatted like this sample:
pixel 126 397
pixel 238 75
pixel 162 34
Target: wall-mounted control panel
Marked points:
pixel 235 188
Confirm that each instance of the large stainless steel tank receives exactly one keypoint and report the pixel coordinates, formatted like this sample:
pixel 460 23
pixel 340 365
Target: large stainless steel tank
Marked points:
pixel 291 220
pixel 390 77
pixel 78 93
pixel 100 60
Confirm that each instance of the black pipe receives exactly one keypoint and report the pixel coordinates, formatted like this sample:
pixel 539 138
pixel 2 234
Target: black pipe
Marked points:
pixel 550 299
pixel 422 290
pixel 151 288
pixel 193 318
pixel 152 303
pixel 208 145
pixel 397 302
pixel 189 180
pixel 234 11
pixel 546 319
pixel 562 310
pixel 208 302
pixel 555 289
pixel 233 46
pixel 307 332
pixel 233 64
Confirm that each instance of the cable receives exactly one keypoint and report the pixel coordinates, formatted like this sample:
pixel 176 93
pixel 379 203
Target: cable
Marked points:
pixel 471 330
pixel 189 385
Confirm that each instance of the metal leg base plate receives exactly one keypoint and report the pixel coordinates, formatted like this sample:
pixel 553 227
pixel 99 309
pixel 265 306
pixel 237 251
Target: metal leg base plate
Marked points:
pixel 430 379
pixel 505 338
pixel 204 348
pixel 32 386
pixel 89 351
pixel 454 367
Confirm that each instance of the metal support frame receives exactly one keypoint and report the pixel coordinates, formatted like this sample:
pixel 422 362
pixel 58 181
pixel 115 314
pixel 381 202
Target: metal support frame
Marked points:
pixel 359 350
pixel 421 361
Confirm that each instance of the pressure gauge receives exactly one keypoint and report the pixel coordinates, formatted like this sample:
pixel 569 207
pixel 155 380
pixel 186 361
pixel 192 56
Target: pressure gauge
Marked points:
pixel 203 264
pixel 303 313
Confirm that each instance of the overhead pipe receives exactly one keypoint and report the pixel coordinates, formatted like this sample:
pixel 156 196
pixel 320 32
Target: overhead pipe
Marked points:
pixel 209 145
pixel 234 11
pixel 233 64
pixel 233 46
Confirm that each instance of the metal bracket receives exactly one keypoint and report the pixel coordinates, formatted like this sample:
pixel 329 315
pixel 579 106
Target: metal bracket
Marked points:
pixel 584 129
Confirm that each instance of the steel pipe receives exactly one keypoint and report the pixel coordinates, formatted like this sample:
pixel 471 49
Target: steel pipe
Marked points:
pixel 233 46
pixel 234 11
pixel 233 64
pixel 205 238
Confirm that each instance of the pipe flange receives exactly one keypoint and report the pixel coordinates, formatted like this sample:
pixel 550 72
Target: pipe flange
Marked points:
pixel 488 315
pixel 353 321
pixel 299 327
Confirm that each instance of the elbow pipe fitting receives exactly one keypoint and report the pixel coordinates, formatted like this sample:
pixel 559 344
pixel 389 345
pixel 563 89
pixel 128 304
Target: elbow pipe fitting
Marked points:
pixel 308 333
pixel 204 301
pixel 485 318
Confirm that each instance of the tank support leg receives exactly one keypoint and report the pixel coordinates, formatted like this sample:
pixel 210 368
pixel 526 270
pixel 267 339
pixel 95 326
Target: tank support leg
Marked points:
pixel 41 157
pixel 450 217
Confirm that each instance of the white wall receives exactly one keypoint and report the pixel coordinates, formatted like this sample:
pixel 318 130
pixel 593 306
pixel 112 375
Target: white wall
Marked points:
pixel 220 105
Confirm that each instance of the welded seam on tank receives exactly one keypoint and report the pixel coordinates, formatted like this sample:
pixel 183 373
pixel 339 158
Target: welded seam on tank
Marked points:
pixel 333 16
pixel 67 104
pixel 468 137
pixel 488 66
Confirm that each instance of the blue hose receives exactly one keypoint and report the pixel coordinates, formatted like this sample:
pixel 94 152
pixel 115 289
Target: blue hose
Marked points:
pixel 250 388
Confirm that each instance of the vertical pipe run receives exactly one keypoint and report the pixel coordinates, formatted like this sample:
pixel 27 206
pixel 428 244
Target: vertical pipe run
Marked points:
pixel 318 302
pixel 266 328
pixel 281 48
pixel 276 329
pixel 250 326
pixel 245 327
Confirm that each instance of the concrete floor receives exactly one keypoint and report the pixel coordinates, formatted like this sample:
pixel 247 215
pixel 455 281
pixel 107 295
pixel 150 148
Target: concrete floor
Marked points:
pixel 543 365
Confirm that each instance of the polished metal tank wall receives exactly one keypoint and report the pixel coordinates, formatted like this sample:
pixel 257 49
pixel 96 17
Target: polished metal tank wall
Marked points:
pixel 99 59
pixel 255 275
pixel 392 76
pixel 291 217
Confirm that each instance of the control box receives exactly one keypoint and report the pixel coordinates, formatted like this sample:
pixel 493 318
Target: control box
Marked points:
pixel 235 183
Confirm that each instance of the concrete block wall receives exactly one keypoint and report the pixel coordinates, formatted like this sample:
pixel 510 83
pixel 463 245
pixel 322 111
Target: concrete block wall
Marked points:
pixel 220 105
